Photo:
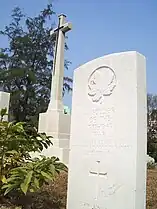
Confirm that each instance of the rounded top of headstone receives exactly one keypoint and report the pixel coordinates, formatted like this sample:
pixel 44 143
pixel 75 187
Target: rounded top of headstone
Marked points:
pixel 101 83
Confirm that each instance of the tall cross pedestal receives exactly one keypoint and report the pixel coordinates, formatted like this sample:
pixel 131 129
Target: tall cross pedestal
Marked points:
pixel 54 122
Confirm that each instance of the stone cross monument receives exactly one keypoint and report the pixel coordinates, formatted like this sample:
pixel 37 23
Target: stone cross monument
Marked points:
pixel 54 122
pixel 56 101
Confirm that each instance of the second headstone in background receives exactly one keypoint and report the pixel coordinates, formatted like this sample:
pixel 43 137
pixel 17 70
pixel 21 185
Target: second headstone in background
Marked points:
pixel 4 101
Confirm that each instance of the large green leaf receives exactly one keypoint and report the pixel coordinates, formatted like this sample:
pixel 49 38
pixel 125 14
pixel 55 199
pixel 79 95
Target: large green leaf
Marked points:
pixel 9 187
pixel 52 169
pixel 19 170
pixel 12 152
pixel 24 186
pixel 36 183
pixel 46 175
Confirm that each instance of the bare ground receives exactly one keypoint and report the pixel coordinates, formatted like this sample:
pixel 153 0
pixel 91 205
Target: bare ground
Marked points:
pixel 152 189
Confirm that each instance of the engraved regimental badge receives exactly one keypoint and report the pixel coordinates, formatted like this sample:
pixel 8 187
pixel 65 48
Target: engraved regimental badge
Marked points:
pixel 101 83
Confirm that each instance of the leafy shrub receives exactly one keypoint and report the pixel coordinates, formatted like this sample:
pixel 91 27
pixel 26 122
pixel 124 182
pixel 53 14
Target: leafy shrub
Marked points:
pixel 50 196
pixel 21 175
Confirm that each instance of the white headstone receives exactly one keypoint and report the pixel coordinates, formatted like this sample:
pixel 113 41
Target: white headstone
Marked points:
pixel 4 101
pixel 107 166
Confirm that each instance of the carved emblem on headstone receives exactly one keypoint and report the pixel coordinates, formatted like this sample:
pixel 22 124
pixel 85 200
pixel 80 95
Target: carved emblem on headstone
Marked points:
pixel 101 83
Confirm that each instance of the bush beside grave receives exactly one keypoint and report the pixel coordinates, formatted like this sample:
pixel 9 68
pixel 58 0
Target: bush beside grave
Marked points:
pixel 21 177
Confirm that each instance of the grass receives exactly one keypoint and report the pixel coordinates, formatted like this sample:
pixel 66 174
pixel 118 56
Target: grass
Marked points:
pixel 56 193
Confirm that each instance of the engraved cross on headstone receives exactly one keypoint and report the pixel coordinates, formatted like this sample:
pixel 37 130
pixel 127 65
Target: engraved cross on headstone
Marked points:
pixel 58 65
pixel 97 174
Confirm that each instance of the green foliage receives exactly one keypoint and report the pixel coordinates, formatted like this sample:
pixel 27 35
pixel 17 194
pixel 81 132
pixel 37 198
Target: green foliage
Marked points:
pixel 18 171
pixel 50 196
pixel 32 175
pixel 26 65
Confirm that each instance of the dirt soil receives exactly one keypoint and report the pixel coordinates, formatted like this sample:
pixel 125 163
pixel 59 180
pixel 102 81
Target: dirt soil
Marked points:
pixel 152 189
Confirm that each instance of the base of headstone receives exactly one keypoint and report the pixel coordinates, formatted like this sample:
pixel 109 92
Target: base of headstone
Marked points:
pixel 56 124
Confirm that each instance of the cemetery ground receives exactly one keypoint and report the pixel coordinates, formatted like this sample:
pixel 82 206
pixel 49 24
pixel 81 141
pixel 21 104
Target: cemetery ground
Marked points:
pixel 54 195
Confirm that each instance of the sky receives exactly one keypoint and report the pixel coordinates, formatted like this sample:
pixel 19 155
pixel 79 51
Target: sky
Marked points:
pixel 100 27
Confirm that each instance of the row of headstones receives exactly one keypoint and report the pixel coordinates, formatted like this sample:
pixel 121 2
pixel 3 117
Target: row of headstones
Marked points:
pixel 108 138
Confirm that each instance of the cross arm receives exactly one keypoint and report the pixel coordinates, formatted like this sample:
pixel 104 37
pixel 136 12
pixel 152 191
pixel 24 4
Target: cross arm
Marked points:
pixel 94 173
pixel 65 28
